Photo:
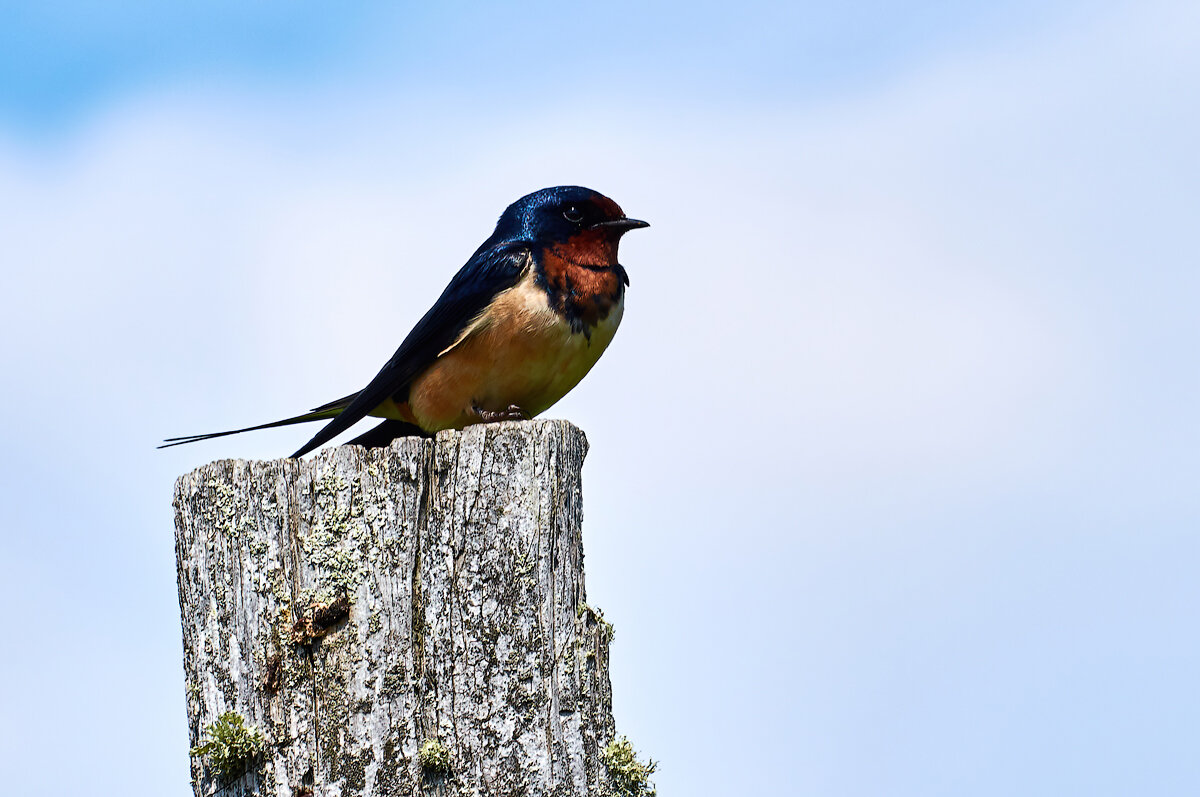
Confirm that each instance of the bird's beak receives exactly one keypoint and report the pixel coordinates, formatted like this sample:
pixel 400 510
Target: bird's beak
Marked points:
pixel 622 225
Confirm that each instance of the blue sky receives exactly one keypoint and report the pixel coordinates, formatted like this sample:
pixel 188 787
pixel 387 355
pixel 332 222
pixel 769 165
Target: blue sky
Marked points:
pixel 61 61
pixel 899 428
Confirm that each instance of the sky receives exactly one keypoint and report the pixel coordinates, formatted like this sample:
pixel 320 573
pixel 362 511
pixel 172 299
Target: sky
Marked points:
pixel 893 468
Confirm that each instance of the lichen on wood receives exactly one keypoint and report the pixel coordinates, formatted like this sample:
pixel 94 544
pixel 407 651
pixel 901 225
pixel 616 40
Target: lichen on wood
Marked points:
pixel 229 746
pixel 629 776
pixel 434 757
pixel 354 606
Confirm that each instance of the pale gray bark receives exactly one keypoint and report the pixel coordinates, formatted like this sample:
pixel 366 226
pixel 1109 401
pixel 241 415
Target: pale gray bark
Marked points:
pixel 461 563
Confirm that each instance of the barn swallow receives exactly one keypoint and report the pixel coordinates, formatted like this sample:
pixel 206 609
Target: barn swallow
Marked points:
pixel 517 327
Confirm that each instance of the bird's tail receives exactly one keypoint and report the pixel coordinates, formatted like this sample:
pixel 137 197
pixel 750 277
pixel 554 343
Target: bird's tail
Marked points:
pixel 319 414
pixel 383 434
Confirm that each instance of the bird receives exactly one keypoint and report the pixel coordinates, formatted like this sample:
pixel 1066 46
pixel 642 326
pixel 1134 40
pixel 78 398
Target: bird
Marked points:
pixel 519 325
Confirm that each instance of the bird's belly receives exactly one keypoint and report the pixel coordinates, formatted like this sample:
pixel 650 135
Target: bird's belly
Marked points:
pixel 524 354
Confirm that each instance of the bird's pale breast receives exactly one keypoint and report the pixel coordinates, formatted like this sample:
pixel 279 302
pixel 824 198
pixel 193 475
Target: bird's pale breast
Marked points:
pixel 518 352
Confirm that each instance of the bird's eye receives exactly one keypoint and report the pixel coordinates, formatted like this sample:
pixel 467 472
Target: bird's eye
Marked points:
pixel 573 214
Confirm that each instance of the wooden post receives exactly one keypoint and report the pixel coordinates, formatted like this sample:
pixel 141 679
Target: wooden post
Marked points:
pixel 399 621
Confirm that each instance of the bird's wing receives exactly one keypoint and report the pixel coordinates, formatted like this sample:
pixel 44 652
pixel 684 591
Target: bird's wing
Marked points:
pixel 491 270
pixel 339 404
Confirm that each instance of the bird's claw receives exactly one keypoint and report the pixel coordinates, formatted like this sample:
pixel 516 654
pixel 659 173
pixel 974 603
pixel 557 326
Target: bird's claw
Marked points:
pixel 512 413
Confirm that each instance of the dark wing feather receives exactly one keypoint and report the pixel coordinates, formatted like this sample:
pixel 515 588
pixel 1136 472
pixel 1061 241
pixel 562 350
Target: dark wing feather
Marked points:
pixel 340 404
pixel 490 270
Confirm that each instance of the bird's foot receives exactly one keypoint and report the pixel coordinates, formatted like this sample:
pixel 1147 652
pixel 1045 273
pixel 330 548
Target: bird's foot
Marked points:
pixel 513 413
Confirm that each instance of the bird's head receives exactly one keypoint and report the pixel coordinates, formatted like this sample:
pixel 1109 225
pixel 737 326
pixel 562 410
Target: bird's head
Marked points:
pixel 578 222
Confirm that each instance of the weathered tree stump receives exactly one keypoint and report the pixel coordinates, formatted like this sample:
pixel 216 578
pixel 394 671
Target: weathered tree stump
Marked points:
pixel 399 621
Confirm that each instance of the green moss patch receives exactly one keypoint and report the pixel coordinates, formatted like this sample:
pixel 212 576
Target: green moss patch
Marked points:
pixel 630 777
pixel 230 745
pixel 434 757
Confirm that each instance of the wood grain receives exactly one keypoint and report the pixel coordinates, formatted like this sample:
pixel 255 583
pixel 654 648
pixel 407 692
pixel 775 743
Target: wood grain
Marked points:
pixel 358 604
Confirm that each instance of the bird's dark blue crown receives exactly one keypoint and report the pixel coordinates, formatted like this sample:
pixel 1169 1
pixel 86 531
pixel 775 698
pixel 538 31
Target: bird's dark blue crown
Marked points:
pixel 554 214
